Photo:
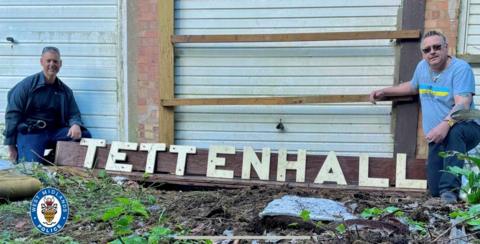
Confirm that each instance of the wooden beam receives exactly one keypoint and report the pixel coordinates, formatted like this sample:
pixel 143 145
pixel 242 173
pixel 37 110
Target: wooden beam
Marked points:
pixel 273 100
pixel 199 181
pixel 166 61
pixel 73 154
pixel 291 37
pixel 470 58
pixel 406 113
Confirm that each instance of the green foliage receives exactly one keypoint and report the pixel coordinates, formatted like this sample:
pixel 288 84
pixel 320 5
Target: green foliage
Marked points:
pixel 471 216
pixel 123 214
pixel 371 213
pixel 158 234
pixel 472 188
pixel 305 215
pixel 102 174
pixel 418 226
pixel 341 229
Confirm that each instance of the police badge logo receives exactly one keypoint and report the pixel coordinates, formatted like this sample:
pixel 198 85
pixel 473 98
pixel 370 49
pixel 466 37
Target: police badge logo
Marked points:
pixel 49 210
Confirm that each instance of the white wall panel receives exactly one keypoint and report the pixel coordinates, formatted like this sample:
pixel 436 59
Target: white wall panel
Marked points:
pixel 87 34
pixel 469 28
pixel 285 69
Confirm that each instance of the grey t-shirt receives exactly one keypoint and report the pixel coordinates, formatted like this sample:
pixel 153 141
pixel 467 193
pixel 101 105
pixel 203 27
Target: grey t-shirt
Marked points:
pixel 437 90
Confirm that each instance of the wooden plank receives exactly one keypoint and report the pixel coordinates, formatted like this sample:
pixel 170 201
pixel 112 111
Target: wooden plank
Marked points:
pixel 73 154
pixel 270 100
pixel 166 69
pixel 329 36
pixel 239 183
pixel 406 113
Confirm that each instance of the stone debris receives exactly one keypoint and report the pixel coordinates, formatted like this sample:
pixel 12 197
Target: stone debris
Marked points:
pixel 319 209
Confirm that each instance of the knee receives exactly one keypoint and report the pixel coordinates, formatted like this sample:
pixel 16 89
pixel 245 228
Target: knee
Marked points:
pixel 455 135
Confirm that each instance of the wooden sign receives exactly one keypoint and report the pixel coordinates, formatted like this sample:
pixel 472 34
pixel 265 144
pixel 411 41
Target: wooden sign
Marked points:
pixel 222 163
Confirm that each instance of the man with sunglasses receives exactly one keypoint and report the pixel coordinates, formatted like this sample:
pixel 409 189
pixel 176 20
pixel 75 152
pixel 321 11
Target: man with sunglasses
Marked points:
pixel 41 110
pixel 445 84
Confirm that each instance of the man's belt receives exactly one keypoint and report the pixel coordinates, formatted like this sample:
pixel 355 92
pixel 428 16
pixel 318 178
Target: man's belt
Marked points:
pixel 30 126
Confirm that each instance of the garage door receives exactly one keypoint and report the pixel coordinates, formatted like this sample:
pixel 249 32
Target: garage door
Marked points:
pixel 285 69
pixel 87 34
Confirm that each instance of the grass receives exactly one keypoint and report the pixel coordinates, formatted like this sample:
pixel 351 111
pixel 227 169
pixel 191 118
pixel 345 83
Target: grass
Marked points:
pixel 89 199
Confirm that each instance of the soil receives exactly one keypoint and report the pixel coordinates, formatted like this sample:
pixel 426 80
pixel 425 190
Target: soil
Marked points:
pixel 214 212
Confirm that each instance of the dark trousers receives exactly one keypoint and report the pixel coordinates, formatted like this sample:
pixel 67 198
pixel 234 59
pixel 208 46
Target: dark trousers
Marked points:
pixel 462 137
pixel 31 146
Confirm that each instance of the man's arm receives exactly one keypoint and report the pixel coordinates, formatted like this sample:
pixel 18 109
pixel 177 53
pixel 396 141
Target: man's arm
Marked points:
pixel 12 153
pixel 403 89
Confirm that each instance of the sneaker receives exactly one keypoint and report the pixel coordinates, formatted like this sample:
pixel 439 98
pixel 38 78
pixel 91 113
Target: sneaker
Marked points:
pixel 448 197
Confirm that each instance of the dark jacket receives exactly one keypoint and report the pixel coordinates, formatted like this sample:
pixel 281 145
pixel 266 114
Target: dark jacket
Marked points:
pixel 20 99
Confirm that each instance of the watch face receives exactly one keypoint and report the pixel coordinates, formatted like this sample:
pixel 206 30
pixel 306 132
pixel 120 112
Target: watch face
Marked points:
pixel 451 122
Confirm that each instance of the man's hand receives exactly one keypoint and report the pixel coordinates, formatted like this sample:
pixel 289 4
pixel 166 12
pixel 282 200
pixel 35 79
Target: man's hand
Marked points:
pixel 13 153
pixel 438 133
pixel 75 132
pixel 376 95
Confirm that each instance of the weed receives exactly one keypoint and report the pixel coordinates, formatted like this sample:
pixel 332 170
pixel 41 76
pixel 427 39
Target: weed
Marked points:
pixel 471 217
pixel 305 215
pixel 123 215
pixel 341 229
pixel 472 188
pixel 377 213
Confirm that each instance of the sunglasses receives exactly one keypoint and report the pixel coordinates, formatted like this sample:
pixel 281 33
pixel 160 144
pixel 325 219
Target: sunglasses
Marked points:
pixel 434 47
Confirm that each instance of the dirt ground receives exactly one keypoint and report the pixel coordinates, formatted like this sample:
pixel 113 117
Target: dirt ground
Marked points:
pixel 214 212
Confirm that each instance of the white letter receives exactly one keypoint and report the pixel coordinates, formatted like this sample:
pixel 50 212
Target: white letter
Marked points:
pixel 91 150
pixel 331 164
pixel 250 158
pixel 363 179
pixel 401 175
pixel 115 155
pixel 152 149
pixel 213 162
pixel 182 156
pixel 298 165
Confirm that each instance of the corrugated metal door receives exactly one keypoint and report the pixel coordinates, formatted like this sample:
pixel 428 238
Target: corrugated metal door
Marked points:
pixel 285 69
pixel 87 34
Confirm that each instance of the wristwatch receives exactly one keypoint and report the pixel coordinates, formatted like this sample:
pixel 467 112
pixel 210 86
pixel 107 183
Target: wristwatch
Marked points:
pixel 451 122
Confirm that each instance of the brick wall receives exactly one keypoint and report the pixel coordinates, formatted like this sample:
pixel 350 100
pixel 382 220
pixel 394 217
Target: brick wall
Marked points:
pixel 443 15
pixel 146 61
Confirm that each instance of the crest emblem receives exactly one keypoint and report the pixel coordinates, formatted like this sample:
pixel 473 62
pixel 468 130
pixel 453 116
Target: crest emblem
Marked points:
pixel 49 210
